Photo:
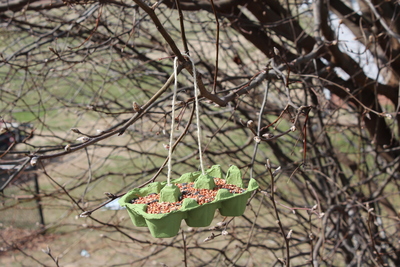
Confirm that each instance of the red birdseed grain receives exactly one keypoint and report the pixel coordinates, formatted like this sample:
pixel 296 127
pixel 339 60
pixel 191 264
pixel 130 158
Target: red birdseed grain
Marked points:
pixel 202 196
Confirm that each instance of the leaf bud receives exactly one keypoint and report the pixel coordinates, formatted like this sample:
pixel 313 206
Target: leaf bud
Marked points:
pixel 75 130
pixel 83 139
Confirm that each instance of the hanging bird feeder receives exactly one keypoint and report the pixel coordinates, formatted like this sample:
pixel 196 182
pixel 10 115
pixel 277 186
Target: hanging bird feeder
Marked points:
pixel 194 197
pixel 189 209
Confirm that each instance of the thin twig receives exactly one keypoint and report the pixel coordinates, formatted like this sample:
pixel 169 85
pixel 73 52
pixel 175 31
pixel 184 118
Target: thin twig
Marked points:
pixel 272 196
pixel 260 116
pixel 18 171
pixel 370 221
pixel 182 24
pixel 214 90
pixel 184 248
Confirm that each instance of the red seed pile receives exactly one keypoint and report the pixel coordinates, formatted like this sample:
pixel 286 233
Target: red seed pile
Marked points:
pixel 202 196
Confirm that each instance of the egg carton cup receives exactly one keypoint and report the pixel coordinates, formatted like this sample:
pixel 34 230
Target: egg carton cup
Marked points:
pixel 167 224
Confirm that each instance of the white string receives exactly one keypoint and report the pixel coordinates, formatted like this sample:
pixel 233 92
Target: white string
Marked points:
pixel 196 91
pixel 173 121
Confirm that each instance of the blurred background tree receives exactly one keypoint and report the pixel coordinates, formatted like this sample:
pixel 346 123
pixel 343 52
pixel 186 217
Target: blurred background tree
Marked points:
pixel 313 86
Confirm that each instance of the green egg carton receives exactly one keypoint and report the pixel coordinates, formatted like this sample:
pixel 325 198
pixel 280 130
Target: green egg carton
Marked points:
pixel 167 224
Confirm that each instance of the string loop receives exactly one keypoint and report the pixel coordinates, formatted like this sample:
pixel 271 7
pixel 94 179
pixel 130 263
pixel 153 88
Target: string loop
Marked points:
pixel 196 92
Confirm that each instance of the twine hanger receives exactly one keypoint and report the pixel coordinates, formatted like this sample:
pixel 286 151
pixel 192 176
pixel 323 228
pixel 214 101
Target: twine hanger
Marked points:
pixel 196 91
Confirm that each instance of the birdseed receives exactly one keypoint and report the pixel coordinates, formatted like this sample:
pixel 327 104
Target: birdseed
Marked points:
pixel 202 196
